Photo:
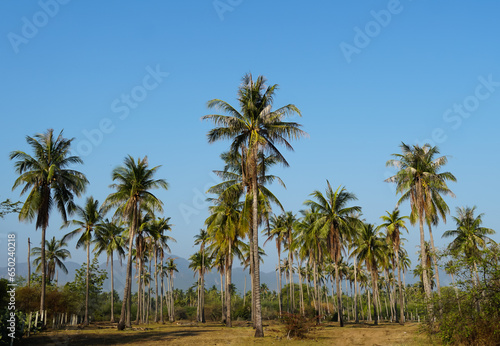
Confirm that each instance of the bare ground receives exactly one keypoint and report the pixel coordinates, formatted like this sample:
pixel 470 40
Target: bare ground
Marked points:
pixel 186 333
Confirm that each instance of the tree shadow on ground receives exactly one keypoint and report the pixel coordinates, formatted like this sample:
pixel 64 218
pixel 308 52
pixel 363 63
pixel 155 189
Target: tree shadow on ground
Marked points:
pixel 115 338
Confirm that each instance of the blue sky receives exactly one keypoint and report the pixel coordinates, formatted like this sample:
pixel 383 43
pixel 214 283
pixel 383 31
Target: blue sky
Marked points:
pixel 136 76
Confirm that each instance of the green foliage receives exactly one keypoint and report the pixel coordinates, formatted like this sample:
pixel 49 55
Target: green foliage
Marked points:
pixel 97 277
pixel 471 313
pixel 7 207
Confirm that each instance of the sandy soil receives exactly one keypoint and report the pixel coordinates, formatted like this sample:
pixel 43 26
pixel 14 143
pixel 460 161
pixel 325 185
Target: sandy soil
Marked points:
pixel 186 333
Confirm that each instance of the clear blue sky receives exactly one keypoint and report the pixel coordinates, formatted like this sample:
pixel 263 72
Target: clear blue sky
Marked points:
pixel 366 76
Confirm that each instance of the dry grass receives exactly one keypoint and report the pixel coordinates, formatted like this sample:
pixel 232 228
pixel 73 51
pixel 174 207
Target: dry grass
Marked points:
pixel 187 333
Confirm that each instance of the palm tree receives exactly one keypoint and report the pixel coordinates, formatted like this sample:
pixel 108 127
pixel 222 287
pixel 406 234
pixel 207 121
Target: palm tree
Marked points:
pixel 54 254
pixel 393 223
pixel 201 239
pixel 160 243
pixel 171 267
pixel 469 237
pixel 50 183
pixel 109 237
pixel 134 182
pixel 371 250
pixel 225 226
pixel 90 217
pixel 277 231
pixel 419 181
pixel 335 220
pixel 254 130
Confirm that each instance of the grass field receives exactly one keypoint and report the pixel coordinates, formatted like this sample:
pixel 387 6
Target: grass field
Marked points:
pixel 185 333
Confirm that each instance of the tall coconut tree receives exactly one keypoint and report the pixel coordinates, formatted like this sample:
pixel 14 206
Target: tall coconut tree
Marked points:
pixel 418 178
pixel 255 129
pixel 109 238
pixel 335 220
pixel 90 217
pixel 372 250
pixel 55 254
pixel 393 224
pixel 50 182
pixel 134 182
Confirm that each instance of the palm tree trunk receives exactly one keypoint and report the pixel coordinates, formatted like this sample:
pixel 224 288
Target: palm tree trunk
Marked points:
pixel 316 295
pixel 423 263
pixel 86 319
pixel 156 286
pixel 203 285
pixel 401 305
pixel 436 270
pixel 223 310
pixel 112 291
pixel 369 308
pixel 278 277
pixel 162 289
pixel 125 313
pixel 375 294
pixel 172 301
pixel 44 273
pixel 259 331
pixel 302 308
pixel 356 317
pixel 228 287
pixel 138 317
pixel 339 295
pixel 29 262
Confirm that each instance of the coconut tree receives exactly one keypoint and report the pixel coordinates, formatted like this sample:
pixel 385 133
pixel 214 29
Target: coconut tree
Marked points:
pixel 170 268
pixel 55 254
pixel 469 236
pixel 109 238
pixel 393 224
pixel 277 231
pixel 90 217
pixel 335 220
pixel 418 180
pixel 225 226
pixel 49 181
pixel 372 250
pixel 253 130
pixel 134 180
pixel 201 239
pixel 160 243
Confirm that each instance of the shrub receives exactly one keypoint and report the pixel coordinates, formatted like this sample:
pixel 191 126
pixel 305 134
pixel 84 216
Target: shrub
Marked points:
pixel 296 325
